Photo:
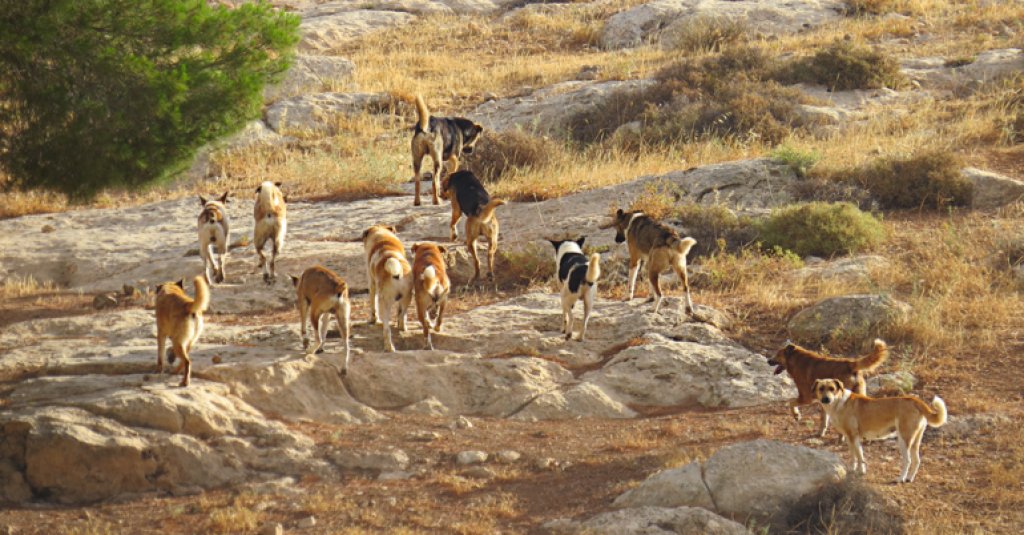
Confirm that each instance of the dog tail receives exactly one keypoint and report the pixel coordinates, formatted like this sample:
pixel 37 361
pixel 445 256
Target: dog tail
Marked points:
pixel 594 269
pixel 423 112
pixel 488 211
pixel 870 363
pixel 393 267
pixel 429 276
pixel 683 245
pixel 937 416
pixel 202 300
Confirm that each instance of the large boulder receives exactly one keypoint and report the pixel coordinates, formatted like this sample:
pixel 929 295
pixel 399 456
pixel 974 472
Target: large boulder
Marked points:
pixel 310 74
pixel 317 112
pixel 847 321
pixel 323 35
pixel 756 479
pixel 992 190
pixel 651 521
pixel 939 73
pixel 663 18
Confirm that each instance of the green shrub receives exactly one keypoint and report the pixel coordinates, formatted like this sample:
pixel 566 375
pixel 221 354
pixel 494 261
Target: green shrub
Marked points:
pixel 499 153
pixel 705 34
pixel 798 160
pixel 845 65
pixel 103 93
pixel 821 229
pixel 927 180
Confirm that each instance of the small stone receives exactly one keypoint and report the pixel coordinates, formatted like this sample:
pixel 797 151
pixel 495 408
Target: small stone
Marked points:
pixel 104 301
pixel 48 229
pixel 396 475
pixel 216 359
pixel 508 456
pixel 462 423
pixel 273 528
pixel 307 522
pixel 545 463
pixel 479 472
pixel 424 436
pixel 471 457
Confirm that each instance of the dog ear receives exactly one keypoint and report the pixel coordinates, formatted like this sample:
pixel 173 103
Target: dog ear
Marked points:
pixel 392 228
pixel 258 188
pixel 224 198
pixel 202 201
pixel 295 280
pixel 556 244
pixel 279 184
pixel 180 283
pixel 365 234
pixel 581 240
pixel 443 249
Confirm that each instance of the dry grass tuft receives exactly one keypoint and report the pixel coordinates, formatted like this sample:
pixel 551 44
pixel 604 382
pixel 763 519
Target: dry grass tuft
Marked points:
pixel 851 506
pixel 508 154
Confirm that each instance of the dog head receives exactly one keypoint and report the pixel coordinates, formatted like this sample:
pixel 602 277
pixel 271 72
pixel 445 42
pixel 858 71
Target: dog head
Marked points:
pixel 621 223
pixel 567 246
pixel 168 286
pixel 780 360
pixel 470 133
pixel 828 390
pixel 376 229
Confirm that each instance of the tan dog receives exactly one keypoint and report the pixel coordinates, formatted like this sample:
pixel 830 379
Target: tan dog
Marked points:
pixel 444 139
pixel 271 215
pixel 656 244
pixel 214 233
pixel 179 318
pixel 430 279
pixel 390 278
pixel 861 418
pixel 319 292
pixel 469 197
pixel 805 367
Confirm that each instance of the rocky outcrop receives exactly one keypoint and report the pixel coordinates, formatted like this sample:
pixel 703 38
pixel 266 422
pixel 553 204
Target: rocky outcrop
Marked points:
pixel 317 113
pixel 325 34
pixel 651 521
pixel 992 190
pixel 310 74
pixel 942 74
pixel 847 319
pixel 755 479
pixel 660 19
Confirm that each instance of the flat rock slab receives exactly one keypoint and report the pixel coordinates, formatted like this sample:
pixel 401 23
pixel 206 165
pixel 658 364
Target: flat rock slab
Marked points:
pixel 325 34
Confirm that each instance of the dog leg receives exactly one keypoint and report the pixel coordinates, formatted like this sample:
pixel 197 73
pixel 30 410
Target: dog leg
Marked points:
pixel 185 365
pixel 345 326
pixel 302 306
pixel 492 250
pixel 904 447
pixel 161 339
pixel 424 317
pixel 373 298
pixel 325 323
pixel 634 270
pixel 823 427
pixel 858 446
pixel 222 259
pixel 261 259
pixel 385 316
pixel 471 243
pixel 456 215
pixel 440 315
pixel 417 166
pixel 914 448
pixel 683 276
pixel 435 180
pixel 314 321
pixel 794 409
pixel 654 278
pixel 588 303
pixel 273 262
pixel 567 312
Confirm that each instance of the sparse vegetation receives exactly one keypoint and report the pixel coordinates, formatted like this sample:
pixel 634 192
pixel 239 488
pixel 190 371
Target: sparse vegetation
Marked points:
pixel 929 179
pixel 705 34
pixel 500 154
pixel 845 65
pixel 800 161
pixel 850 507
pixel 822 229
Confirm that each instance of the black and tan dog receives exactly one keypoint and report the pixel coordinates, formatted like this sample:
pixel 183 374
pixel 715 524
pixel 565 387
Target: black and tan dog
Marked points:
pixel 805 367
pixel 656 244
pixel 469 197
pixel 861 418
pixel 444 139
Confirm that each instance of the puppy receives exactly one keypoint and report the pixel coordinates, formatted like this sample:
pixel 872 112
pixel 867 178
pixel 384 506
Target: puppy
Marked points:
pixel 179 318
pixel 469 197
pixel 390 278
pixel 271 215
pixel 431 285
pixel 214 233
pixel 805 367
pixel 444 139
pixel 578 277
pixel 861 418
pixel 656 244
pixel 319 292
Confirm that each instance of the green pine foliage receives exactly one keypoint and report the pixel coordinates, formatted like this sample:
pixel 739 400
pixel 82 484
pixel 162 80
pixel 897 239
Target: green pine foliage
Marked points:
pixel 119 93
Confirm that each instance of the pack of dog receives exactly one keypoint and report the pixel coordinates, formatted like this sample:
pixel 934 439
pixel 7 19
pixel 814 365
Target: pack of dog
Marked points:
pixel 468 196
pixel 179 318
pixel 444 139
pixel 431 284
pixel 390 277
pixel 214 233
pixel 270 214
pixel 657 245
pixel 806 367
pixel 577 276
pixel 861 418
pixel 320 292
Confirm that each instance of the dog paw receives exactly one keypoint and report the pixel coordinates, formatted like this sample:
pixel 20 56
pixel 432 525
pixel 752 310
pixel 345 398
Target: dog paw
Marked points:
pixel 416 202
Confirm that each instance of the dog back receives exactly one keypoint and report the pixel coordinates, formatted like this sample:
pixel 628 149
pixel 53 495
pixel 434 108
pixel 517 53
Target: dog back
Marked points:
pixel 429 270
pixel 269 202
pixel 382 247
pixel 469 192
pixel 319 283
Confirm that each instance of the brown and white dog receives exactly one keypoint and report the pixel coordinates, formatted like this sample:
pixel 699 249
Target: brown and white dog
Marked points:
pixel 469 197
pixel 214 233
pixel 656 244
pixel 861 418
pixel 444 139
pixel 390 278
pixel 319 292
pixel 180 318
pixel 271 215
pixel 432 286
pixel 805 367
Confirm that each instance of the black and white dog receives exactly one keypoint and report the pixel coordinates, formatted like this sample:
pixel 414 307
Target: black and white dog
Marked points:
pixel 578 276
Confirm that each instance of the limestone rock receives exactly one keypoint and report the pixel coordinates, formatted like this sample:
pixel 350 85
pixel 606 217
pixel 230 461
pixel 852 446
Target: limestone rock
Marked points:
pixel 992 190
pixel 670 488
pixel 316 112
pixel 651 521
pixel 390 460
pixel 324 34
pixel 311 74
pixel 471 457
pixel 856 319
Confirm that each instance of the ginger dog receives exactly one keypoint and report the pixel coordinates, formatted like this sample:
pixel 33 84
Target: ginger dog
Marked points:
pixel 271 215
pixel 390 278
pixel 861 418
pixel 430 280
pixel 319 292
pixel 805 367
pixel 179 318
pixel 214 233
